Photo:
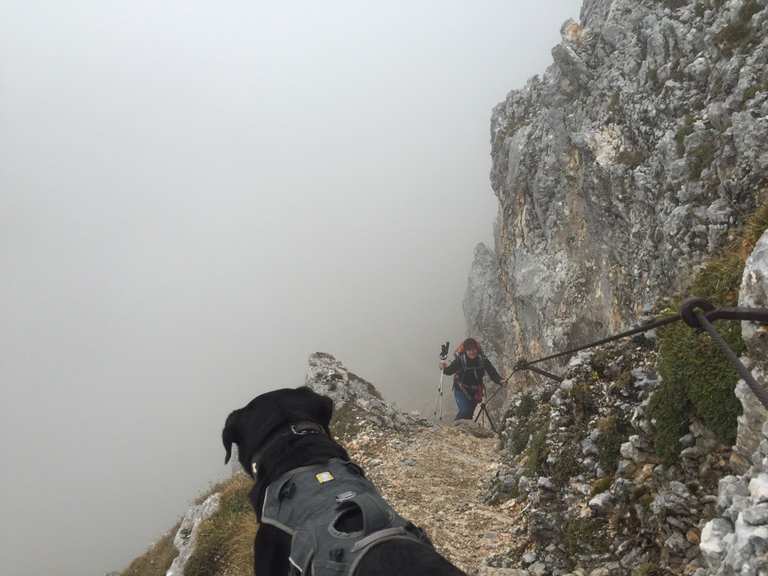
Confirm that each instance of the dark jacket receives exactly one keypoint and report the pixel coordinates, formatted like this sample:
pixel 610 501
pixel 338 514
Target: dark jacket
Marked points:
pixel 470 372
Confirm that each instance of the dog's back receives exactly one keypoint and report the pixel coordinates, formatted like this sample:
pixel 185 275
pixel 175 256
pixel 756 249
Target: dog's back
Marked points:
pixel 261 430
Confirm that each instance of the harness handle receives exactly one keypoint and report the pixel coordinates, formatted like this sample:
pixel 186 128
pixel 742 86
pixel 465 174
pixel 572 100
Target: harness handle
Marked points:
pixel 375 516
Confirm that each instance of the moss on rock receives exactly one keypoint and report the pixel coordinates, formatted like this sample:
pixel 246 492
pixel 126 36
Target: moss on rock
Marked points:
pixel 738 31
pixel 536 454
pixel 697 379
pixel 583 403
pixel 601 485
pixel 523 427
pixel 585 536
pixel 614 431
pixel 346 421
pixel 566 465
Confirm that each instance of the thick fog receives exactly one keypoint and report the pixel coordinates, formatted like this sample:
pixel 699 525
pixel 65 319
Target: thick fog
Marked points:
pixel 194 196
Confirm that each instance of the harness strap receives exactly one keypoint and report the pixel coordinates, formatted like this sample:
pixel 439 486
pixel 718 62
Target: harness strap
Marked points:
pixel 465 367
pixel 376 536
pixel 303 546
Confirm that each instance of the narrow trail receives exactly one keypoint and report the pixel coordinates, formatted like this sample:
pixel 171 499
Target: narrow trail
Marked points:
pixel 435 477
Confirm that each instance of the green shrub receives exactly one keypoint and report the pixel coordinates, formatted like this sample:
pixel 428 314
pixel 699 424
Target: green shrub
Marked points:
pixel 720 280
pixel 567 463
pixel 699 158
pixel 670 408
pixel 585 536
pixel 521 433
pixel 526 407
pixel 601 485
pixel 693 361
pixel 583 403
pixel 614 431
pixel 697 379
pixel 537 452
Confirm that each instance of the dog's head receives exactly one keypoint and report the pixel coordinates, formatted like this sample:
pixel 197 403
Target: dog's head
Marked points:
pixel 250 426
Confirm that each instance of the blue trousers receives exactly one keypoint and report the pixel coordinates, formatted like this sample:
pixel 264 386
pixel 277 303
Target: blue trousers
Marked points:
pixel 465 405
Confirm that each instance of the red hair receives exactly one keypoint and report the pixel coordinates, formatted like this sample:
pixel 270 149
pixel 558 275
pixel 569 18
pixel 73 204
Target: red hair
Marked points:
pixel 468 344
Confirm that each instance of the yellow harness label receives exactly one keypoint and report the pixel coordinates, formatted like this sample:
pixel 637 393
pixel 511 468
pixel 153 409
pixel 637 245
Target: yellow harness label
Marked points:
pixel 324 477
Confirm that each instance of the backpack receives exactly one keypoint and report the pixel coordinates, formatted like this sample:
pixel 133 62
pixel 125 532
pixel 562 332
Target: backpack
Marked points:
pixel 476 391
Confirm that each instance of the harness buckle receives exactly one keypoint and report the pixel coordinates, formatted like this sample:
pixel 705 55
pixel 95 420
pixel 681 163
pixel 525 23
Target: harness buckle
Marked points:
pixel 344 496
pixel 304 432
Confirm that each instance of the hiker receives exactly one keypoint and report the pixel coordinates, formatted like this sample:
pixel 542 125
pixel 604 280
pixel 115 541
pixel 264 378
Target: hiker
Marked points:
pixel 468 368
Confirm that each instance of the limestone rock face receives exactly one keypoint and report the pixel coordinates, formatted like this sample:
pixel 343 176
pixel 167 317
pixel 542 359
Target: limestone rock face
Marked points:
pixel 736 542
pixel 186 536
pixel 484 304
pixel 356 401
pixel 620 168
pixel 754 294
pixel 578 458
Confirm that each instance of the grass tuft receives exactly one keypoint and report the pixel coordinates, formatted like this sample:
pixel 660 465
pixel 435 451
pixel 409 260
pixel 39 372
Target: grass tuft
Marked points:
pixel 156 560
pixel 225 540
pixel 756 225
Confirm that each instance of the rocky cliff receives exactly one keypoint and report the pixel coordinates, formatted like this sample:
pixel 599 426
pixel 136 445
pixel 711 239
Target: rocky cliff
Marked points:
pixel 620 168
pixel 356 401
pixel 614 481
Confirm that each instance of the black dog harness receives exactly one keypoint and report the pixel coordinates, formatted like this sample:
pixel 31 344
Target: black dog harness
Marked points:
pixel 308 504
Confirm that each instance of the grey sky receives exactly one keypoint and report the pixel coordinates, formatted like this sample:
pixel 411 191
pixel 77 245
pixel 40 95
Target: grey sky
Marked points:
pixel 194 196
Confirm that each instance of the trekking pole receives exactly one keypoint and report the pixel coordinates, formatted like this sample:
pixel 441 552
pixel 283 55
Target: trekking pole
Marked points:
pixel 483 413
pixel 439 407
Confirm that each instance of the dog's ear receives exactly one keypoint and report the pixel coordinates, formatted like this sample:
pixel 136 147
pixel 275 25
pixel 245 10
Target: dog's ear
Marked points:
pixel 229 434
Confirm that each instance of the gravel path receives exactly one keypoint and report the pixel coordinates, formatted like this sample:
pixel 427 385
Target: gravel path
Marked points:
pixel 435 478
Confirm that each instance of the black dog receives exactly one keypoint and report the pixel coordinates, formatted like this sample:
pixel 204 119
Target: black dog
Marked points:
pixel 285 430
